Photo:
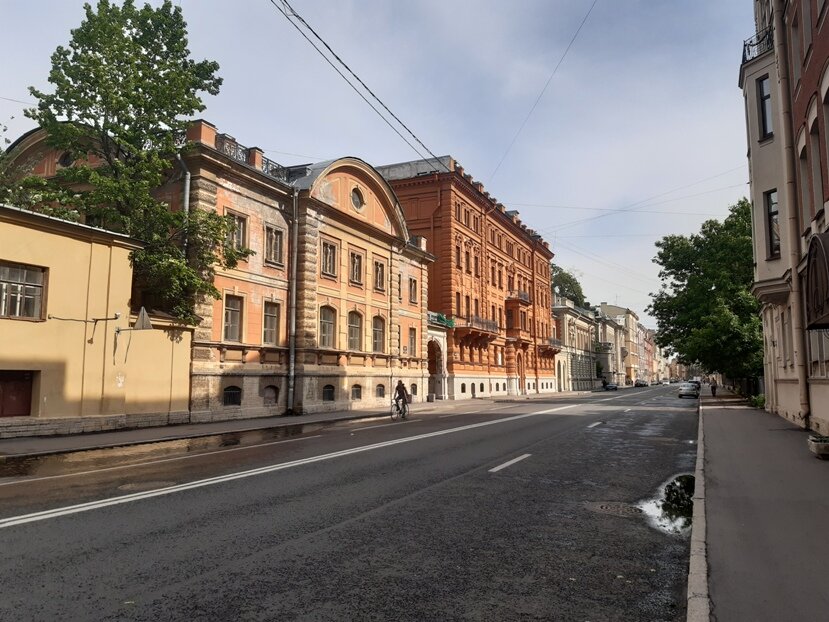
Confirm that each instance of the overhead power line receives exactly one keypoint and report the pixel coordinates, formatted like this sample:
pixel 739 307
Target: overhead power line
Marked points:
pixel 290 14
pixel 18 101
pixel 541 94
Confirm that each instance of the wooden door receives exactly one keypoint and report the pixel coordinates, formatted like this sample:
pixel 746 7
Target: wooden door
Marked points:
pixel 15 393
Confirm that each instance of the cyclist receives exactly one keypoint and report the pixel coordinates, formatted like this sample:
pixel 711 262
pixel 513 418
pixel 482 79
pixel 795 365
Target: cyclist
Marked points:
pixel 401 395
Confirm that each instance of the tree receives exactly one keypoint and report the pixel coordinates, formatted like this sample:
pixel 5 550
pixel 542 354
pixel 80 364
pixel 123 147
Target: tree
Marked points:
pixel 705 309
pixel 123 92
pixel 565 284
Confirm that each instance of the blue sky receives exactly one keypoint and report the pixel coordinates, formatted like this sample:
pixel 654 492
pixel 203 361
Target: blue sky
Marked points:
pixel 644 111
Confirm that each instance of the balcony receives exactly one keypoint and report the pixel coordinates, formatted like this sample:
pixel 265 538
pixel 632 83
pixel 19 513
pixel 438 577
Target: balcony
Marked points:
pixel 438 319
pixel 758 45
pixel 519 295
pixel 604 346
pixel 519 334
pixel 549 343
pixel 475 328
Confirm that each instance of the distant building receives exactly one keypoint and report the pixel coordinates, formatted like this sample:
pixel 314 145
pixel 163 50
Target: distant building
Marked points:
pixel 491 278
pixel 630 350
pixel 578 330
pixel 611 339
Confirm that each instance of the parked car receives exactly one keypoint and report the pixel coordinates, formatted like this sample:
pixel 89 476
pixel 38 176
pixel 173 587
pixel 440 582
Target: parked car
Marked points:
pixel 611 386
pixel 696 383
pixel 689 389
pixel 640 383
pixel 665 382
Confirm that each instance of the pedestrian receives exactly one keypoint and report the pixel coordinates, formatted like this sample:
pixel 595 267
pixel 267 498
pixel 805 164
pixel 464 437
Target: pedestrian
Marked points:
pixel 713 388
pixel 604 384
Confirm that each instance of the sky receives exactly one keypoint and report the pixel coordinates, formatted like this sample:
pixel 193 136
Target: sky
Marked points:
pixel 640 132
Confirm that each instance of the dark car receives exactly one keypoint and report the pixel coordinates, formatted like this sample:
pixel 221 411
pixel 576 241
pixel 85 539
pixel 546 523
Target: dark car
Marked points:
pixel 640 383
pixel 611 386
pixel 688 389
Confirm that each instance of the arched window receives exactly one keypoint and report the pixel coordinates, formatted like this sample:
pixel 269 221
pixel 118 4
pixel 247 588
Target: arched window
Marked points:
pixel 482 387
pixel 463 387
pixel 356 392
pixel 380 391
pixel 328 320
pixel 232 396
pixel 414 389
pixel 355 331
pixel 328 393
pixel 378 334
pixel 270 395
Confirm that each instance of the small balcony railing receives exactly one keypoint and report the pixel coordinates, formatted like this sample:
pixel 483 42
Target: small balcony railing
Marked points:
pixel 478 323
pixel 517 294
pixel 759 44
pixel 604 346
pixel 551 343
pixel 228 146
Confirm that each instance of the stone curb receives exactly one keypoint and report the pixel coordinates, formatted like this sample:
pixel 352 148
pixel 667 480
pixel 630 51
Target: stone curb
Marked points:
pixel 699 605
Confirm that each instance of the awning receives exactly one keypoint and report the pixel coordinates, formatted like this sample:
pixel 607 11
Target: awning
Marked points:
pixel 817 282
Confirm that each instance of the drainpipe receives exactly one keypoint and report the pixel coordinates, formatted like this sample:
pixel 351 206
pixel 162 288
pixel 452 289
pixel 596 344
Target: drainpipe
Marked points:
pixel 292 303
pixel 782 57
pixel 186 203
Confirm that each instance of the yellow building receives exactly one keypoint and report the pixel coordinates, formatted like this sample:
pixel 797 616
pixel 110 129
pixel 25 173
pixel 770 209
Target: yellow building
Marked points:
pixel 67 364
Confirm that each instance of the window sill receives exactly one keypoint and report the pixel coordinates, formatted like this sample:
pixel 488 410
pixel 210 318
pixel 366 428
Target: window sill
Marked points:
pixel 274 264
pixel 766 139
pixel 773 257
pixel 377 290
pixel 330 277
pixel 356 283
pixel 19 318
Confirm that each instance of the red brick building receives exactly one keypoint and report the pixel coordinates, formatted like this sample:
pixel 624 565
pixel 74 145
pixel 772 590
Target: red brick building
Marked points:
pixel 492 277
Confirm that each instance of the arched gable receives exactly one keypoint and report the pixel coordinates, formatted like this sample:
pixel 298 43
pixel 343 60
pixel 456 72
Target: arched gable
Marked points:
pixel 32 155
pixel 354 187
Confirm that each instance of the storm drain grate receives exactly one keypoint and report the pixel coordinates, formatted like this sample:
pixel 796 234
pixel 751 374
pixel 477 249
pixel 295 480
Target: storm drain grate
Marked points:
pixel 615 508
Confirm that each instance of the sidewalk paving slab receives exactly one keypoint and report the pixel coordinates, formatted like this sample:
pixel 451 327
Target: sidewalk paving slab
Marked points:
pixel 766 516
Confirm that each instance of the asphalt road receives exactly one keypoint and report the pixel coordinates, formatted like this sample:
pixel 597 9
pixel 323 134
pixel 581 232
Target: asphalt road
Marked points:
pixel 371 521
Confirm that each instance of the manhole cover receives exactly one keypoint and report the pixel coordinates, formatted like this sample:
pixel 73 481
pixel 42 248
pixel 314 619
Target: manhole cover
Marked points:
pixel 615 508
pixel 142 486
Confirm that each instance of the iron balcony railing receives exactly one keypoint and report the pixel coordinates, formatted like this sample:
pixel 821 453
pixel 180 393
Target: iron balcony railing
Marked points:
pixel 228 146
pixel 759 44
pixel 604 346
pixel 555 343
pixel 517 294
pixel 475 321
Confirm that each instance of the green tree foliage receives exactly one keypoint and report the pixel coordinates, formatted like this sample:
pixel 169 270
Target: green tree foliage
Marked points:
pixel 705 309
pixel 124 89
pixel 12 191
pixel 564 283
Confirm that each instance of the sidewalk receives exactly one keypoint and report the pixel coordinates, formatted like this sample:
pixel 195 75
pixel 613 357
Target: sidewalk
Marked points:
pixel 766 509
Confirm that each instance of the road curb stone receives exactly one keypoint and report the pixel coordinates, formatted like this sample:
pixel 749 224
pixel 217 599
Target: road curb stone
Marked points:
pixel 699 605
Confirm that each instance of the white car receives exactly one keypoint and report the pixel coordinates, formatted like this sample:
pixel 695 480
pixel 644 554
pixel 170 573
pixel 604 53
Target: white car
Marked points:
pixel 665 382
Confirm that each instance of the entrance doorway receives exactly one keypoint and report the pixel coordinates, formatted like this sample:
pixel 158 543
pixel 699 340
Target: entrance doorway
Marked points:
pixel 16 393
pixel 435 362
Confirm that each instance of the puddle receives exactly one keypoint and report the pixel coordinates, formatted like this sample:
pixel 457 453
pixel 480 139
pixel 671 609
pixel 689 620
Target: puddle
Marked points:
pixel 671 510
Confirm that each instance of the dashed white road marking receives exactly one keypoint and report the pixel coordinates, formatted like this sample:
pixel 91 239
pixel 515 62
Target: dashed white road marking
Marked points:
pixel 593 425
pixel 385 425
pixel 509 463
pixel 211 481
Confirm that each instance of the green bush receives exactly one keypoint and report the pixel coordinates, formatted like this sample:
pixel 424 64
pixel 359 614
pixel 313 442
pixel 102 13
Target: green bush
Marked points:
pixel 757 401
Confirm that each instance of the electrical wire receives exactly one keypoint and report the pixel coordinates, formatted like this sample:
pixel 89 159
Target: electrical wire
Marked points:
pixel 285 11
pixel 541 94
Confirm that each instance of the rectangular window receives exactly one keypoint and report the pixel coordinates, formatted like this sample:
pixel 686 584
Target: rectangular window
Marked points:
pixel 412 290
pixel 379 276
pixel 500 279
pixel 468 263
pixel 477 266
pixel 772 224
pixel 764 103
pixel 457 211
pixel 493 275
pixel 270 333
pixel 805 192
pixel 21 291
pixel 238 237
pixel 412 342
pixel 355 270
pixel 233 318
pixel 458 257
pixel 378 334
pixel 273 245
pixel 329 259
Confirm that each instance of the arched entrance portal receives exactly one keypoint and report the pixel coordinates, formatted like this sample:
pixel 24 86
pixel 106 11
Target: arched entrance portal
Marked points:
pixel 437 371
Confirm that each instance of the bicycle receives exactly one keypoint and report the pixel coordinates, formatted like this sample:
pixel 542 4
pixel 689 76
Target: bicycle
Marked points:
pixel 399 408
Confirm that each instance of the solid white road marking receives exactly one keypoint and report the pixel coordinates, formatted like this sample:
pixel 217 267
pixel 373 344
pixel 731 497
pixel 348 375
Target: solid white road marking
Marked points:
pixel 455 415
pixel 160 461
pixel 138 496
pixel 593 425
pixel 510 463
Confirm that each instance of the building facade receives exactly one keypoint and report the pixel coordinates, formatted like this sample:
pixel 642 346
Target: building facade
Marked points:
pixel 72 358
pixel 577 328
pixel 630 351
pixel 784 76
pixel 611 338
pixel 491 278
